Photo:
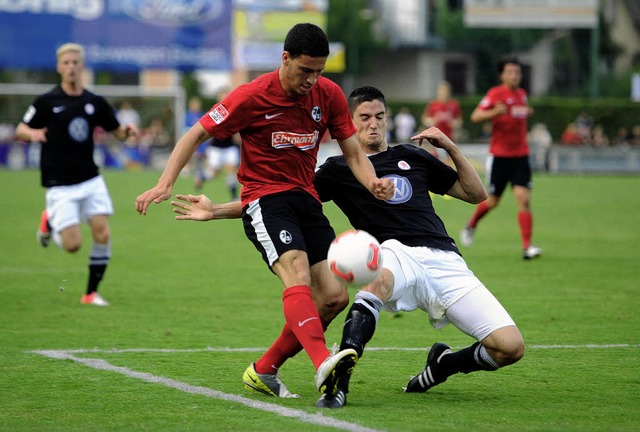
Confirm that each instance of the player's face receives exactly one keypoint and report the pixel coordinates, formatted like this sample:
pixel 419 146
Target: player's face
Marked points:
pixel 300 73
pixel 511 75
pixel 70 66
pixel 370 118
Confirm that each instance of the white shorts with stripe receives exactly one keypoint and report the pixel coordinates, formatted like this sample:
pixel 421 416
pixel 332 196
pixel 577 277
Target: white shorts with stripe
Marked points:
pixel 440 283
pixel 72 204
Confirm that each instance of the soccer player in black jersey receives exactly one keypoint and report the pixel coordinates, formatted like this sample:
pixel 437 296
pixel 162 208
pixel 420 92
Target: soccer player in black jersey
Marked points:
pixel 422 267
pixel 63 121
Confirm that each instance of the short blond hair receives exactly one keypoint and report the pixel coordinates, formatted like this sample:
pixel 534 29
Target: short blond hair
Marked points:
pixel 70 47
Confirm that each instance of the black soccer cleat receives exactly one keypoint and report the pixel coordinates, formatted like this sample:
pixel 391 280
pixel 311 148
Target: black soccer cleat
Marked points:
pixel 333 402
pixel 430 376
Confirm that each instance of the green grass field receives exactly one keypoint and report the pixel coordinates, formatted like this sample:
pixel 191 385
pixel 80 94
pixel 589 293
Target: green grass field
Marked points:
pixel 192 305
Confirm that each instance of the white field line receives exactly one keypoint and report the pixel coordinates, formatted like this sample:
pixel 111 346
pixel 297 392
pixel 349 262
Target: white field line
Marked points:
pixel 302 416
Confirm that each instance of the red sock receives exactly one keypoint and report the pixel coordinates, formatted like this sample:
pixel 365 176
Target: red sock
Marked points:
pixel 525 220
pixel 304 321
pixel 481 210
pixel 285 347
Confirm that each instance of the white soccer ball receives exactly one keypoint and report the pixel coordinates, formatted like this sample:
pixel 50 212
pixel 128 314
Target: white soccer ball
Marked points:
pixel 354 257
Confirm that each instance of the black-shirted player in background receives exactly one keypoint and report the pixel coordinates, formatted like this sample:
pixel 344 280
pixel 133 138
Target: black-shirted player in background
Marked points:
pixel 422 267
pixel 63 121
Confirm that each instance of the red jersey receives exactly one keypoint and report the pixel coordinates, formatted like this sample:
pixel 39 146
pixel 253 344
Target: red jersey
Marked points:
pixel 280 134
pixel 443 114
pixel 509 131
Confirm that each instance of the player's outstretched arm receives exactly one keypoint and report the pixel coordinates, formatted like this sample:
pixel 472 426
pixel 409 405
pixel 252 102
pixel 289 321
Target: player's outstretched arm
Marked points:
pixel 180 155
pixel 201 208
pixel 469 186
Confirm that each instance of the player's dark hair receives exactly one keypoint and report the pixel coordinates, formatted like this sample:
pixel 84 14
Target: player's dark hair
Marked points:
pixel 510 59
pixel 306 39
pixel 365 94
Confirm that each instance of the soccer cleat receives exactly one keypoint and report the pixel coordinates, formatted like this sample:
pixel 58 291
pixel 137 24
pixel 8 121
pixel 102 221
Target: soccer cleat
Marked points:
pixel 43 235
pixel 268 384
pixel 466 236
pixel 334 402
pixel 95 299
pixel 429 377
pixel 335 366
pixel 531 252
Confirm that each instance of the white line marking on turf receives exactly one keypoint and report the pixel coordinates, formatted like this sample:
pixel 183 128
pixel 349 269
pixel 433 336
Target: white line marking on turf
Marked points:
pixel 303 416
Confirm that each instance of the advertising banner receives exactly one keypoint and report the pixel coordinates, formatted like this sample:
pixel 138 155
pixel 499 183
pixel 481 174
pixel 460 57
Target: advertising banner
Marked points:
pixel 118 34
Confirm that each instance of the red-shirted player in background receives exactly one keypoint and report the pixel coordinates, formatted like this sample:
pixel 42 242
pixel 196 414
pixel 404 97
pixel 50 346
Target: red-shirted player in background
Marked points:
pixel 506 106
pixel 281 117
pixel 443 112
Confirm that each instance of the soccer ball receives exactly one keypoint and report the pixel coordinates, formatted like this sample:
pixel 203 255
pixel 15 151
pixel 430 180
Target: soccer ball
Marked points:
pixel 354 257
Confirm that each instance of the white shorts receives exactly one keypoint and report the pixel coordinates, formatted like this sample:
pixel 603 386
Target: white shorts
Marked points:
pixel 70 205
pixel 440 283
pixel 217 157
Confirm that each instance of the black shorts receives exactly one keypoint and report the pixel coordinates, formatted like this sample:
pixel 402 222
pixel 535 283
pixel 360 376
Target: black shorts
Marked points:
pixel 286 221
pixel 503 170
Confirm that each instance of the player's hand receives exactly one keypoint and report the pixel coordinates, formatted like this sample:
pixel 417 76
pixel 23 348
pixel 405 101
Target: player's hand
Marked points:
pixel 157 195
pixel 500 108
pixel 38 135
pixel 193 207
pixel 383 189
pixel 435 136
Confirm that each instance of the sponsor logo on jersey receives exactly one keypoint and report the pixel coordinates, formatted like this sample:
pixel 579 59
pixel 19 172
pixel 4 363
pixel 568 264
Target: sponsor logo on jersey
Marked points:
pixel 218 113
pixel 58 109
pixel 270 116
pixel 316 113
pixel 79 129
pixel 303 142
pixel 89 109
pixel 519 111
pixel 403 191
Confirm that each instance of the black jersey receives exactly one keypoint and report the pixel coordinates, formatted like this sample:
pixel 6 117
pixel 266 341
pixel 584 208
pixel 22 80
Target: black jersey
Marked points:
pixel 409 216
pixel 225 143
pixel 67 155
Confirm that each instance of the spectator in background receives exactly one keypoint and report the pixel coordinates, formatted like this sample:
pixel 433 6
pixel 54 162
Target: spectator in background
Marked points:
pixel 572 136
pixel 584 125
pixel 444 112
pixel 634 139
pixel 405 125
pixel 622 137
pixel 598 137
pixel 540 141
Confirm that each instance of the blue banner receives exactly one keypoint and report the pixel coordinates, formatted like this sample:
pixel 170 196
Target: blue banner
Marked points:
pixel 124 35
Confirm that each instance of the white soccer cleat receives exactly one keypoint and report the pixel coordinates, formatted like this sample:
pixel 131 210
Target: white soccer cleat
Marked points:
pixel 466 236
pixel 94 299
pixel 531 252
pixel 333 367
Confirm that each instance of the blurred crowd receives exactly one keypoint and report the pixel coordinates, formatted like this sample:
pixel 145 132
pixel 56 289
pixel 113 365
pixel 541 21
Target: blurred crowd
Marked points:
pixel 132 154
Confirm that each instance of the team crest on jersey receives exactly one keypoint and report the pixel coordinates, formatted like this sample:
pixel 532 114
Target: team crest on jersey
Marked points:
pixel 218 113
pixel 316 113
pixel 403 165
pixel 89 109
pixel 79 129
pixel 285 237
pixel 402 191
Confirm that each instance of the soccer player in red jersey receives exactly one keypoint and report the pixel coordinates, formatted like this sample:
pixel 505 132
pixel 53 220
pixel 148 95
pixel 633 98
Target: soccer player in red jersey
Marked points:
pixel 444 112
pixel 507 108
pixel 281 117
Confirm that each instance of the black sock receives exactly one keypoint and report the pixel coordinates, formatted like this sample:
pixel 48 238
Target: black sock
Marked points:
pixel 359 327
pixel 466 360
pixel 96 272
